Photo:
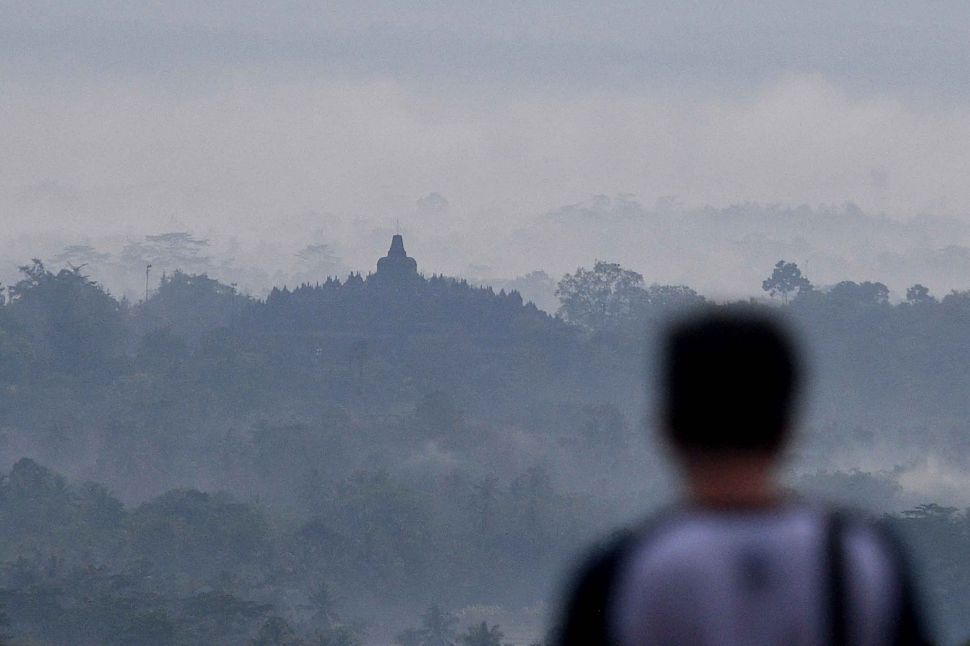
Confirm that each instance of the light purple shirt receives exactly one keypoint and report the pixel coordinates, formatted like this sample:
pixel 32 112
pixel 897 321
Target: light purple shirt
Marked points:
pixel 755 577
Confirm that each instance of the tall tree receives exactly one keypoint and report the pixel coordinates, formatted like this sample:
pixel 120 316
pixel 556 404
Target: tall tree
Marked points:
pixel 72 323
pixel 919 295
pixel 600 298
pixel 189 305
pixel 786 280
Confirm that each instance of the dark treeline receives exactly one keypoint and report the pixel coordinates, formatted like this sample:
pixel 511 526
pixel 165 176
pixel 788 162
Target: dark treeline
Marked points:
pixel 400 457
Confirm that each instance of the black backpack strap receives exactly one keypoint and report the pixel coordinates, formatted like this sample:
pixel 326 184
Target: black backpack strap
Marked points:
pixel 910 627
pixel 586 619
pixel 587 615
pixel 836 595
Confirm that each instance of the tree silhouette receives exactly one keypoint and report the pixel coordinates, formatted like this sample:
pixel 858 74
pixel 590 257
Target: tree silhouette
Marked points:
pixel 850 293
pixel 601 297
pixel 919 295
pixel 72 323
pixel 786 280
pixel 672 296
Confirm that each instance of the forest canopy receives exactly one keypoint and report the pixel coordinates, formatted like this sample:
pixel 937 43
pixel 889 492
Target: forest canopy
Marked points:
pixel 395 456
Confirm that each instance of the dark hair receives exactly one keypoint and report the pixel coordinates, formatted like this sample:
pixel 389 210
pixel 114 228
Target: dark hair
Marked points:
pixel 730 377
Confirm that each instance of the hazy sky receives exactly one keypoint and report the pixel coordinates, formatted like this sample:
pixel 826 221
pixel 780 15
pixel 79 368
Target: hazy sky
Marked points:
pixel 142 117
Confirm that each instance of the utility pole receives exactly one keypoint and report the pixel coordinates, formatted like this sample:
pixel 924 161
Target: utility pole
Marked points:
pixel 148 268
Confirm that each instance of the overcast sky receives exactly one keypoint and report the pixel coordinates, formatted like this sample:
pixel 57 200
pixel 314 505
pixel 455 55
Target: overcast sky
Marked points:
pixel 127 117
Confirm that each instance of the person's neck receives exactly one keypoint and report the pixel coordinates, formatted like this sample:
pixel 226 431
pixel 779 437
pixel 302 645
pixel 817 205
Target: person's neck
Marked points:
pixel 732 480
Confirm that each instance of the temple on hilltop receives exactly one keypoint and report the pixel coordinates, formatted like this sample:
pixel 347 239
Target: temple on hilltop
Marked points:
pixel 396 267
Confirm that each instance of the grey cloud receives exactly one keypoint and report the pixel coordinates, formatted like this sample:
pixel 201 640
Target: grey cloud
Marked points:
pixel 901 48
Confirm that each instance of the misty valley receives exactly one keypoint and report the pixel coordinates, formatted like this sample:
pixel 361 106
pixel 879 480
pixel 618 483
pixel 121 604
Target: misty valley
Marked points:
pixel 408 458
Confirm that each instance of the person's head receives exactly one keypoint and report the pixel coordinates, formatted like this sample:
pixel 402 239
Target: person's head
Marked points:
pixel 730 377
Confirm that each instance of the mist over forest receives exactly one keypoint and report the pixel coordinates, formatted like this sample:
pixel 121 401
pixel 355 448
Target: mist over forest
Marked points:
pixel 337 324
pixel 719 251
pixel 398 454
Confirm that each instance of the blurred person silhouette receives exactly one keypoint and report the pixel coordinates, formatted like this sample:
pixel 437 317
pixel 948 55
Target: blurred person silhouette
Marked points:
pixel 738 561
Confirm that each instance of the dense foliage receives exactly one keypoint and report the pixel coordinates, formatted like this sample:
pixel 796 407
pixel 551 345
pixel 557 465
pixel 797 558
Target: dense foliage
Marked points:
pixel 374 459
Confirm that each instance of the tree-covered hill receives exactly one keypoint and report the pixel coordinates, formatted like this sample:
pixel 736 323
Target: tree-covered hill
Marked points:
pixel 359 450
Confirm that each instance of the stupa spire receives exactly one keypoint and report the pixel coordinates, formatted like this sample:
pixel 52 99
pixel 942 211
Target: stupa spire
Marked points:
pixel 397 247
pixel 396 265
